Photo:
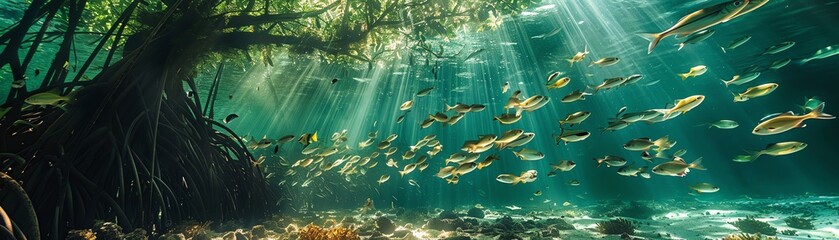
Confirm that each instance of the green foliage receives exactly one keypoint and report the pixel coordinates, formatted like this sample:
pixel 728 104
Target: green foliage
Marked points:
pixel 750 225
pixel 616 226
pixel 789 232
pixel 799 222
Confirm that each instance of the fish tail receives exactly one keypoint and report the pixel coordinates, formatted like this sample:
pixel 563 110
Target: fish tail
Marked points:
pixel 571 61
pixel 804 61
pixel 818 113
pixel 599 162
pixel 448 108
pixel 726 82
pixel 654 38
pixel 697 164
pixel 723 49
pixel 681 45
pixel 684 76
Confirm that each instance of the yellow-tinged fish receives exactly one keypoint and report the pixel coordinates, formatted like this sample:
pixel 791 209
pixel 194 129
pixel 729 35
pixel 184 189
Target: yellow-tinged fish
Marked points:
pixel 698 21
pixel 774 149
pixel 406 105
pixel 579 56
pixel 487 161
pixel 505 87
pixel 408 169
pixel 509 136
pixel 678 167
pixel 575 118
pixel 756 91
pixel 526 154
pixel 574 96
pixel 383 179
pixel 559 83
pixel 564 165
pixel 704 188
pixel 308 138
pixel 446 171
pixel 789 120
pixel 524 177
pixel 694 72
pixel 684 105
pixel 50 98
pixel 605 62
pixel 508 118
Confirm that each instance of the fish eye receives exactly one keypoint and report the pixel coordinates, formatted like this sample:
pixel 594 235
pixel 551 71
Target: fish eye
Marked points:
pixel 738 3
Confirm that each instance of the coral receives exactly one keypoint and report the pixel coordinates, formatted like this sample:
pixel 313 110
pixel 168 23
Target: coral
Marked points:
pixel 312 232
pixel 85 234
pixel 750 225
pixel 799 222
pixel 789 232
pixel 746 236
pixel 616 226
pixel 107 230
pixel 385 225
pixel 475 213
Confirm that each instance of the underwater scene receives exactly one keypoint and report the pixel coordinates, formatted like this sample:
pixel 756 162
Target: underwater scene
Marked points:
pixel 419 119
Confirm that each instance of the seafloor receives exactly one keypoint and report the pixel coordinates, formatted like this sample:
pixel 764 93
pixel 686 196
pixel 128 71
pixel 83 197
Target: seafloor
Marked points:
pixel 814 217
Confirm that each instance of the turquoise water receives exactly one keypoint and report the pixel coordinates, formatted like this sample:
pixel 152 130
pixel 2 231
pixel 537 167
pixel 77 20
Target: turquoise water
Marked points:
pixel 296 97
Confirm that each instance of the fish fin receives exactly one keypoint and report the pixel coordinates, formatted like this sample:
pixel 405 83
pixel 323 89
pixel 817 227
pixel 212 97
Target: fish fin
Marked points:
pixel 723 49
pixel 818 113
pixel 315 137
pixel 448 108
pixel 654 38
pixel 697 164
pixel 681 45
pixel 571 61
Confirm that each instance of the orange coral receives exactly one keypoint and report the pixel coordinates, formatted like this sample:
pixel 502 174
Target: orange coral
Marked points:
pixel 313 232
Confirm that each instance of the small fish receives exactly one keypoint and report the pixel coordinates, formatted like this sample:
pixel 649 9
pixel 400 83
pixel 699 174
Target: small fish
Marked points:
pixel 537 193
pixel 477 107
pixel 822 53
pixel 678 167
pixel 446 171
pixel 756 91
pixel 579 56
pixel 609 83
pixel 605 62
pixel 408 169
pixel 230 118
pixel 308 138
pixel 508 118
pixel 465 168
pixel 49 98
pixel 334 80
pixel 573 183
pixel 629 171
pixel 778 64
pixel 406 105
pixel 574 96
pixel 505 87
pixel 645 144
pixel 524 177
pixel 696 38
pixel 564 165
pixel 383 179
pixel 778 48
pixel 684 105
pixel 575 118
pixel 774 149
pixel 697 21
pixel 454 119
pixel 570 135
pixel 694 72
pixel 616 125
pixel 559 83
pixel 724 124
pixel 453 180
pixel 425 91
pixel 439 117
pixel 526 154
pixel 809 104
pixel 704 188
pixel 459 107
pixel 487 161
pixel 513 207
pixel 509 136
pixel 520 141
pixel 632 79
pixel 611 161
pixel 736 43
pixel 739 80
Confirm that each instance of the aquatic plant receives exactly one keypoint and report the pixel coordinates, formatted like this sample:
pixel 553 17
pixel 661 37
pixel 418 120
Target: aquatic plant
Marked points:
pixel 313 232
pixel 616 226
pixel 799 222
pixel 751 225
pixel 746 236
pixel 789 232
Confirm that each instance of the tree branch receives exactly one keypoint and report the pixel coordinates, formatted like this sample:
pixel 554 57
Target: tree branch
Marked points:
pixel 245 20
